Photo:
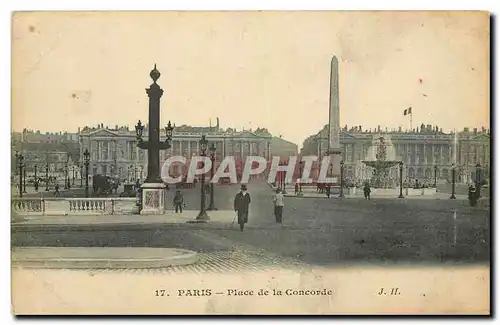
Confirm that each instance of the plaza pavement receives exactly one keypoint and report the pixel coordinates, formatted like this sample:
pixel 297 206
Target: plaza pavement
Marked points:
pixel 316 232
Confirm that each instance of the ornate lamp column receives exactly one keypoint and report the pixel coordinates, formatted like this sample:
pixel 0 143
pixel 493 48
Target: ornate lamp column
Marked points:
pixel 19 161
pixel 284 182
pixel 401 180
pixel 23 165
pixel 453 171
pixel 478 180
pixel 301 174
pixel 435 176
pixel 47 177
pixel 203 216
pixel 341 179
pixel 86 157
pixel 212 207
pixel 66 176
pixel 153 189
pixel 81 175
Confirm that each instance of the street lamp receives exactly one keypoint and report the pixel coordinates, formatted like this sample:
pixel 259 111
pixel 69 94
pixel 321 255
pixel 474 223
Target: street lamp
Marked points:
pixel 211 206
pixel 435 176
pixel 35 182
pixel 478 180
pixel 86 160
pixel 284 182
pixel 168 131
pixel 138 131
pixel 301 174
pixel 453 171
pixel 47 177
pixel 81 175
pixel 24 177
pixel 341 179
pixel 19 161
pixel 202 216
pixel 401 180
pixel 66 176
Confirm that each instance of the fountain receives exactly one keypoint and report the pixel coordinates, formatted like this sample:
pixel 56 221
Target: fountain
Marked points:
pixel 381 157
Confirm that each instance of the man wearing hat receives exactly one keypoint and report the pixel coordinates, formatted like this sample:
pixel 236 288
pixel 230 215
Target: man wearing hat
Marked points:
pixel 241 204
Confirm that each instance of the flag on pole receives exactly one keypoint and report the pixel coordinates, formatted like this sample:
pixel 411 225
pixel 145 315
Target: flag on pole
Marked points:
pixel 407 111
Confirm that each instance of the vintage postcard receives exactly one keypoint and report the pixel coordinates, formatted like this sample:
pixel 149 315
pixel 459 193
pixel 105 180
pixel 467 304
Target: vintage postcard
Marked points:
pixel 250 163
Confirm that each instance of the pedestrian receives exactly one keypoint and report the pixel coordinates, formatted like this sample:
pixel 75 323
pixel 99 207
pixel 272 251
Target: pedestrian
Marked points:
pixel 296 188
pixel 278 206
pixel 366 191
pixel 241 206
pixel 57 193
pixel 178 202
pixel 328 191
pixel 36 185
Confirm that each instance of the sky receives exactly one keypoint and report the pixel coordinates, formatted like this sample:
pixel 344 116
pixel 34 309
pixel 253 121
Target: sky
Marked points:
pixel 250 69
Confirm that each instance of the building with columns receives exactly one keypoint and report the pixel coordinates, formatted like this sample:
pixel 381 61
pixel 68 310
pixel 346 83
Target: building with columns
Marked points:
pixel 59 152
pixel 114 151
pixel 422 150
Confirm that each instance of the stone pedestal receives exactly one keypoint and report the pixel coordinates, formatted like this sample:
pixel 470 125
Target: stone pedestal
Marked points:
pixel 153 198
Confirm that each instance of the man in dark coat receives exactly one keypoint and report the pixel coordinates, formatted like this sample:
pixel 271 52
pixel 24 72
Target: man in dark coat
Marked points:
pixel 241 204
pixel 367 191
pixel 178 201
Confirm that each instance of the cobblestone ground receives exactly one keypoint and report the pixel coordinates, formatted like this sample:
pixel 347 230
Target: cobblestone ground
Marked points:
pixel 315 232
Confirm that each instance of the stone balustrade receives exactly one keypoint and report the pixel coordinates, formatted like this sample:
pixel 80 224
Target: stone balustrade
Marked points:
pixel 27 206
pixel 73 206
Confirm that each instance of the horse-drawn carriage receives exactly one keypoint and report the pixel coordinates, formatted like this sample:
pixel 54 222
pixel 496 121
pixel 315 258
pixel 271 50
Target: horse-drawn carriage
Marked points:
pixel 104 185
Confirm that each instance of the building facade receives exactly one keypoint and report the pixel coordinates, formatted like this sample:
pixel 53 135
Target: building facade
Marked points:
pixel 424 152
pixel 58 152
pixel 114 151
pixel 283 148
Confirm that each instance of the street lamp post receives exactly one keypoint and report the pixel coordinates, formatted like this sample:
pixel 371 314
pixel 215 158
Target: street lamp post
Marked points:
pixel 453 171
pixel 401 180
pixel 284 182
pixel 301 173
pixel 66 176
pixel 435 176
pixel 47 177
pixel 211 206
pixel 341 179
pixel 478 180
pixel 86 161
pixel 35 182
pixel 19 161
pixel 152 192
pixel 81 175
pixel 203 216
pixel 24 177
pixel 73 170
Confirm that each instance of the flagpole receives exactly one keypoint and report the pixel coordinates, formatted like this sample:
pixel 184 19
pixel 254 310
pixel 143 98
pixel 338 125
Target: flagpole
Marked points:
pixel 411 118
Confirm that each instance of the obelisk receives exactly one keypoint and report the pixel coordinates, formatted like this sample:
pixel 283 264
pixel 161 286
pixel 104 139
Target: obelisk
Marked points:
pixel 334 151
